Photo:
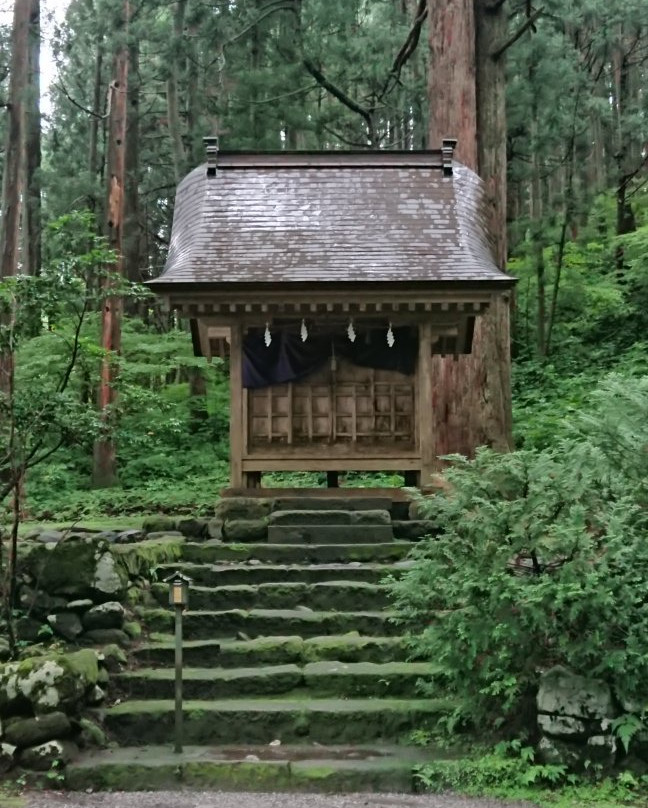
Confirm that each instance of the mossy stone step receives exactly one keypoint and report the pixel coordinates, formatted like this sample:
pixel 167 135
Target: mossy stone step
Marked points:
pixel 332 503
pixel 273 650
pixel 324 596
pixel 210 683
pixel 249 768
pixel 198 625
pixel 211 552
pixel 329 518
pixel 244 573
pixel 337 679
pixel 330 534
pixel 415 529
pixel 362 679
pixel 260 721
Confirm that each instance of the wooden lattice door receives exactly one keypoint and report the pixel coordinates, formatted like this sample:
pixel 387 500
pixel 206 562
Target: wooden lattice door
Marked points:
pixel 340 405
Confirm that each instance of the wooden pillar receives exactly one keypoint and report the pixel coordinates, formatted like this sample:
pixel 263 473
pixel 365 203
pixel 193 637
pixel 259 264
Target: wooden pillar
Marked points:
pixel 236 406
pixel 424 409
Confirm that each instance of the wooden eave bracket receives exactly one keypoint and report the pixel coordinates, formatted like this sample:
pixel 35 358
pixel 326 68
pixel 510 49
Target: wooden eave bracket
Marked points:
pixel 449 144
pixel 211 150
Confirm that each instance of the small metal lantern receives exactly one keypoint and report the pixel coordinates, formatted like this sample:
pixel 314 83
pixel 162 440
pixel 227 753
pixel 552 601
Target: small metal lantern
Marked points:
pixel 178 589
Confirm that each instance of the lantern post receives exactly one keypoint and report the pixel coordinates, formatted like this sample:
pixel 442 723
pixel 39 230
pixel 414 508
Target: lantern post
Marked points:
pixel 179 599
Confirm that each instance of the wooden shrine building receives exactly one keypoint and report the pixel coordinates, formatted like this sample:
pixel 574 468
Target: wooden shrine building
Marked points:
pixel 330 279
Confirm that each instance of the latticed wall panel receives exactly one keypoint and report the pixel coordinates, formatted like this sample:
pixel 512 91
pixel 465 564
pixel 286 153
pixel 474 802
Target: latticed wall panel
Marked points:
pixel 343 404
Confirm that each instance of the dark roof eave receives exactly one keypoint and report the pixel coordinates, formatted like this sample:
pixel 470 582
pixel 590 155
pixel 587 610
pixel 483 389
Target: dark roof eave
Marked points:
pixel 162 286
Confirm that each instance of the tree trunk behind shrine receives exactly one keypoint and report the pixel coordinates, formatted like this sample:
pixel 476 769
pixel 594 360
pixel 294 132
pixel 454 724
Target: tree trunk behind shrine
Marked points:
pixel 104 470
pixel 471 401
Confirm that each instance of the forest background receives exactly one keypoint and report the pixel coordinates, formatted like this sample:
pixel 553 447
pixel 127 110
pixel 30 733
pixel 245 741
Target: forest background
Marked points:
pixel 305 74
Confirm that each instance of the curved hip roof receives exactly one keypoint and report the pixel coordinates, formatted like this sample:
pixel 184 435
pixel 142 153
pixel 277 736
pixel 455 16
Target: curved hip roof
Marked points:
pixel 330 217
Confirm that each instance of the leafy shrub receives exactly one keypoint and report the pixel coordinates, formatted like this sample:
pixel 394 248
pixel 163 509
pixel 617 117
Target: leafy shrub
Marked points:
pixel 542 560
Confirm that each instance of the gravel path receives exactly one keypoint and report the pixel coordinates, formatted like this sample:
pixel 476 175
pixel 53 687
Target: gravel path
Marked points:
pixel 217 799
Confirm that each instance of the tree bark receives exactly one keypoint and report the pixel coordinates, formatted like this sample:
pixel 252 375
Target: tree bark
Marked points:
pixel 105 456
pixel 452 79
pixel 32 150
pixel 471 404
pixel 12 188
pixel 132 237
pixel 173 103
pixel 95 119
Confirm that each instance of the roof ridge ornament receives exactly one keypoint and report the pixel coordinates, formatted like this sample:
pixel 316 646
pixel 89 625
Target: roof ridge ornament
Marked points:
pixel 211 150
pixel 448 145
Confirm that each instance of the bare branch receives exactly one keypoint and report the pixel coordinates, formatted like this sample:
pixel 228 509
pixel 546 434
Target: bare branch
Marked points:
pixel 87 111
pixel 514 37
pixel 341 96
pixel 408 48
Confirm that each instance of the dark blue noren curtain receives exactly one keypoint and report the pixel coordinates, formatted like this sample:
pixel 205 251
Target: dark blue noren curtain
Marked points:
pixel 288 359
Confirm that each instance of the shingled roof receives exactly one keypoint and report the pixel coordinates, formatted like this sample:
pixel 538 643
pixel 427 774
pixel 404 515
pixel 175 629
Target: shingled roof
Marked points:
pixel 330 217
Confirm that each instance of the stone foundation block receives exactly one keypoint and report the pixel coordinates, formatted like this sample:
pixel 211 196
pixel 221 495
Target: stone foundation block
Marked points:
pixel 245 530
pixel 243 508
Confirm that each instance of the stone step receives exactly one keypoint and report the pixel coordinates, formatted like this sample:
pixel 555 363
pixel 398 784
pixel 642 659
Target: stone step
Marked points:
pixel 351 647
pixel 323 596
pixel 247 573
pixel 336 679
pixel 414 529
pixel 330 534
pixel 198 625
pixel 266 768
pixel 261 721
pixel 330 518
pixel 332 503
pixel 215 551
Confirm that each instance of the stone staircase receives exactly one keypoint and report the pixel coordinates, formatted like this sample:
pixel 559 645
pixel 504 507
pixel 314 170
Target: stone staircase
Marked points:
pixel 296 678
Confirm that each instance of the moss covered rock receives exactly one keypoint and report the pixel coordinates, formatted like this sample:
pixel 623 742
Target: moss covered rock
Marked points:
pixel 160 523
pixel 111 657
pixel 246 530
pixel 48 683
pixel 107 636
pixel 138 560
pixel 7 757
pixel 106 615
pixel 47 756
pixel 91 734
pixel 66 625
pixel 243 508
pixel 22 732
pixel 79 567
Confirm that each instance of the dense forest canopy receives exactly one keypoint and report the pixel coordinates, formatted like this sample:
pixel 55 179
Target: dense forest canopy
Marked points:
pixel 325 74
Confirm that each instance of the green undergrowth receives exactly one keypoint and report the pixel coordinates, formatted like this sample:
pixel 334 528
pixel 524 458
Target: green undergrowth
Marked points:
pixel 515 775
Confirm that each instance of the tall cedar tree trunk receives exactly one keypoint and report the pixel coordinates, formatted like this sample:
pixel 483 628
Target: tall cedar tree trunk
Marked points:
pixel 13 213
pixel 132 237
pixel 177 72
pixel 471 404
pixel 292 37
pixel 95 118
pixel 105 459
pixel 32 150
pixel 172 93
pixel 12 190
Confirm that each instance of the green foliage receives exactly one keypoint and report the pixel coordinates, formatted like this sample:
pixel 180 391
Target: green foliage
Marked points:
pixel 509 771
pixel 541 561
pixel 41 323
